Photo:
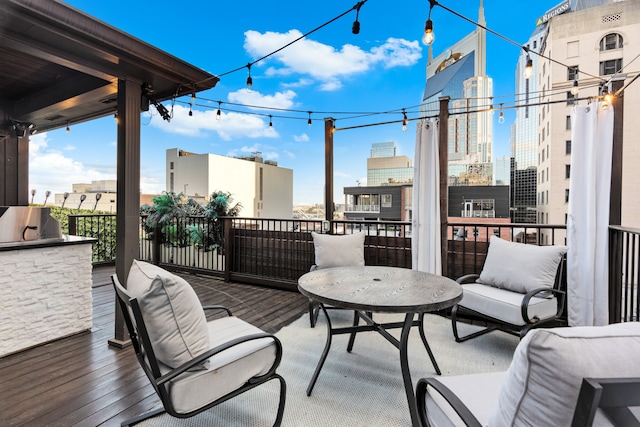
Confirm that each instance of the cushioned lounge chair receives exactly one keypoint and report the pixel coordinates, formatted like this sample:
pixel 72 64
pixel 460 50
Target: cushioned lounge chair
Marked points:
pixel 193 364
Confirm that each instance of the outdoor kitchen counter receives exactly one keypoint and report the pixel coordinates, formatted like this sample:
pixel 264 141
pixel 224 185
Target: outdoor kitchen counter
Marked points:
pixel 45 291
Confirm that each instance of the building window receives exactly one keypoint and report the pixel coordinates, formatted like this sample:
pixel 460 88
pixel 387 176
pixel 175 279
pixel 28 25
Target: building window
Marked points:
pixel 571 98
pixel 567 147
pixel 566 195
pixel 610 42
pixel 611 66
pixel 171 165
pixel 572 73
pixel 567 171
pixel 386 200
pixel 568 123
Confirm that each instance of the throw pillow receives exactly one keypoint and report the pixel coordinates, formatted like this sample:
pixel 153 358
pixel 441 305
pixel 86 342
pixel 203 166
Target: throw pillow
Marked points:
pixel 172 312
pixel 338 250
pixel 542 384
pixel 519 267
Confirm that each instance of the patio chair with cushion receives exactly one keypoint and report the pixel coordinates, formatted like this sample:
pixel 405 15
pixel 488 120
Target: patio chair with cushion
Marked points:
pixel 543 383
pixel 335 251
pixel 193 364
pixel 519 288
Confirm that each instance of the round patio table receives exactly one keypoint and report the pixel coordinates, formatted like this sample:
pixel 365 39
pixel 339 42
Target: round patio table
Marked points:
pixel 375 289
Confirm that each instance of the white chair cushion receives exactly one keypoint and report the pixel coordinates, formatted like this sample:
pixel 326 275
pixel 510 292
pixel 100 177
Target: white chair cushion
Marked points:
pixel 171 311
pixel 338 250
pixel 504 305
pixel 542 384
pixel 227 371
pixel 520 267
pixel 478 392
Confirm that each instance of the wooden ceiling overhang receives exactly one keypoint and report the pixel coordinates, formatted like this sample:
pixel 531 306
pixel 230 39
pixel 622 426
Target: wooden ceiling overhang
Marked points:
pixel 60 66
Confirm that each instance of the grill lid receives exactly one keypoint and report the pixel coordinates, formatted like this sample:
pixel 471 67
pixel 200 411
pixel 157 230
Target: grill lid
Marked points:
pixel 28 224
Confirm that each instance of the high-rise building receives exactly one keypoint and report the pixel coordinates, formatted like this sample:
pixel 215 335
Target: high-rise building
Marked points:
pixel 591 43
pixel 384 167
pixel 460 73
pixel 264 189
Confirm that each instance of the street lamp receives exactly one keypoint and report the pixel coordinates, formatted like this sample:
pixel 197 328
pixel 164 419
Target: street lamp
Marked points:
pixel 46 196
pixel 82 199
pixel 98 196
pixel 33 194
pixel 65 196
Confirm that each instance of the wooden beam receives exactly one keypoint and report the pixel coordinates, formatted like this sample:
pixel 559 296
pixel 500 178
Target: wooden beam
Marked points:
pixel 328 168
pixel 128 187
pixel 443 152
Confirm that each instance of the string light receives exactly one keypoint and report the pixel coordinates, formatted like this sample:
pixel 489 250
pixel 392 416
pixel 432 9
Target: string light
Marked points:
pixel 528 69
pixel 501 115
pixel 428 37
pixel 404 121
pixel 270 122
pixel 249 79
pixel 309 121
pixel 218 113
pixel 68 129
pixel 355 28
pixel 190 111
pixel 607 97
pixel 574 88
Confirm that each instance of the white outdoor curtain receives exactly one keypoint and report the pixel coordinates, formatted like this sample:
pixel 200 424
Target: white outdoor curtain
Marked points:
pixel 425 237
pixel 588 215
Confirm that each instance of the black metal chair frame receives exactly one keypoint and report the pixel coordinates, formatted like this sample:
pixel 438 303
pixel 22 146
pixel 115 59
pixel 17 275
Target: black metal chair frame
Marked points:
pixel 613 395
pixel 497 324
pixel 149 363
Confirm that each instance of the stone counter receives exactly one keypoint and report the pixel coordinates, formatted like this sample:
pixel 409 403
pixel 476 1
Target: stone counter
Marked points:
pixel 45 292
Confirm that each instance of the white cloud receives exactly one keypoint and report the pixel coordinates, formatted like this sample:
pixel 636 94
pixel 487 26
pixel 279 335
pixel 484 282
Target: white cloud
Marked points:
pixel 289 154
pixel 69 148
pixel 51 170
pixel 301 138
pixel 326 63
pixel 230 126
pixel 252 97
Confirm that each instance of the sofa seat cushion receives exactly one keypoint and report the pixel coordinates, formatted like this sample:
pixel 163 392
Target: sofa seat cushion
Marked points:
pixel 521 267
pixel 543 381
pixel 338 250
pixel 229 369
pixel 505 305
pixel 478 392
pixel 172 312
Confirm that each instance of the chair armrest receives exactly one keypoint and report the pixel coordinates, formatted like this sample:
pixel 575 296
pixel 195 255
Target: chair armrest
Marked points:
pixel 467 278
pixel 217 307
pixel 524 309
pixel 463 412
pixel 204 356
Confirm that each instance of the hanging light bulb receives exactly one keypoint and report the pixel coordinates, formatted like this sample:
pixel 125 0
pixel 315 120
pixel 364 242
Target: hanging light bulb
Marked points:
pixel 309 121
pixel 193 96
pixel 491 109
pixel 190 111
pixel 404 121
pixel 249 79
pixel 68 129
pixel 574 88
pixel 607 97
pixel 355 28
pixel 218 113
pixel 428 36
pixel 270 122
pixel 528 70
pixel 501 115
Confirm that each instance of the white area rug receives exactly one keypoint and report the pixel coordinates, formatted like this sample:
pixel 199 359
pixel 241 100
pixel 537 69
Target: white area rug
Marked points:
pixel 361 388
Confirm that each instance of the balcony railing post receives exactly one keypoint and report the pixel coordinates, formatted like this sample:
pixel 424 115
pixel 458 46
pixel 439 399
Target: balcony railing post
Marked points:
pixel 228 248
pixel 155 244
pixel 73 225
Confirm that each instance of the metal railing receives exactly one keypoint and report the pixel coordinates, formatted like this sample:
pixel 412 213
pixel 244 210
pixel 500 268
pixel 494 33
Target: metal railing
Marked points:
pixel 276 252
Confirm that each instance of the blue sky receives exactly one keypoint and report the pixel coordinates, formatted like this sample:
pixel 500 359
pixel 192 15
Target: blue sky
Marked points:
pixel 381 69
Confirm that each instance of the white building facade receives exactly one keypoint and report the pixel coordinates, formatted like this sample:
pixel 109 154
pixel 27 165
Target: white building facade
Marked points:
pixel 264 189
pixel 598 45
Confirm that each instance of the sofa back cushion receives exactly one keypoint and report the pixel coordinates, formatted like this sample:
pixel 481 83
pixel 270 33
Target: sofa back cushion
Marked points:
pixel 338 250
pixel 172 313
pixel 543 381
pixel 519 267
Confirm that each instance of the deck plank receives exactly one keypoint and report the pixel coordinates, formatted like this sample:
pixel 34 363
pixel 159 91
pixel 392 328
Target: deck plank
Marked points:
pixel 81 380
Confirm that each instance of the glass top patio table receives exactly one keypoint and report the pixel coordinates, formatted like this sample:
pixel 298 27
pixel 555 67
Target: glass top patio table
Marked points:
pixel 370 289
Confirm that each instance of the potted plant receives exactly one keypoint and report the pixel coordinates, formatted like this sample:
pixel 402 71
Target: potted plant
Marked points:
pixel 164 218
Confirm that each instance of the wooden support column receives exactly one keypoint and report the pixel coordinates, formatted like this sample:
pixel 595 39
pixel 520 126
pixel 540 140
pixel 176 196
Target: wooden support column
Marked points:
pixel 443 153
pixel 128 186
pixel 14 170
pixel 615 200
pixel 328 168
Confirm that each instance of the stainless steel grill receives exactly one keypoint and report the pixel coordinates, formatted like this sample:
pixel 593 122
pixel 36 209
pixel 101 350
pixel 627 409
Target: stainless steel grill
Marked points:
pixel 28 225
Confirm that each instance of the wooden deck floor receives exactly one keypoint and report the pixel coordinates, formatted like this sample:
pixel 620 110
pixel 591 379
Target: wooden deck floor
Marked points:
pixel 82 381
